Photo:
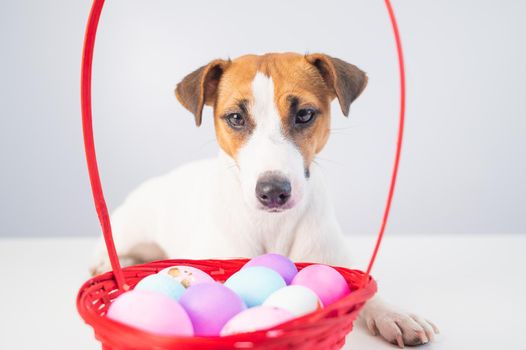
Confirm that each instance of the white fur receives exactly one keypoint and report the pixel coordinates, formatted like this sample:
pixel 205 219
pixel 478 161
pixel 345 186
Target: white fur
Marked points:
pixel 267 149
pixel 196 212
pixel 207 209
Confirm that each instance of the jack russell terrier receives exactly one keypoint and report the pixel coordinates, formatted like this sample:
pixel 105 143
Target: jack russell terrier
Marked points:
pixel 263 193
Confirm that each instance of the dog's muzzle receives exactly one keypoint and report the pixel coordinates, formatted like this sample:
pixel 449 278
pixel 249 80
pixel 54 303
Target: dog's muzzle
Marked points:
pixel 273 190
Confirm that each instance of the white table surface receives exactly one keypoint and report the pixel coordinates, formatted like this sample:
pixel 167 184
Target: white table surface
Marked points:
pixel 473 287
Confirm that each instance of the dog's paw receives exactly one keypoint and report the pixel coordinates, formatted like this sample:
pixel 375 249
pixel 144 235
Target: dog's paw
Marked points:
pixel 398 327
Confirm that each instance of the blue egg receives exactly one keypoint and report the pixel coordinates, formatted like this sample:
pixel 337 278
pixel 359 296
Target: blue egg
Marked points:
pixel 162 284
pixel 255 284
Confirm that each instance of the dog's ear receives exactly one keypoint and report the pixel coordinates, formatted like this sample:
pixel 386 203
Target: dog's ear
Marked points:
pixel 345 80
pixel 200 87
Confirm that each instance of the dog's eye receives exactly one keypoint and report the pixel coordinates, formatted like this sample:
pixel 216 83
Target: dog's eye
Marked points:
pixel 304 116
pixel 235 120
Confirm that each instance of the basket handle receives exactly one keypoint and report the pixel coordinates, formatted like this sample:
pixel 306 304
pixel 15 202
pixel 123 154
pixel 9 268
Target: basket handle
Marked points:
pixel 399 140
pixel 89 145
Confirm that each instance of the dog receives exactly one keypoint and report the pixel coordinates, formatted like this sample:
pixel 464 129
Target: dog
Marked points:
pixel 264 192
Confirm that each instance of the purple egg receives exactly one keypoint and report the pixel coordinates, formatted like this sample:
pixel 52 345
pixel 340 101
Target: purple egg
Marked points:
pixel 279 263
pixel 210 306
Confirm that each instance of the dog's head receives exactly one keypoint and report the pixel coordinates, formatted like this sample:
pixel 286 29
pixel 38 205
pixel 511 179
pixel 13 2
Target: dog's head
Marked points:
pixel 272 116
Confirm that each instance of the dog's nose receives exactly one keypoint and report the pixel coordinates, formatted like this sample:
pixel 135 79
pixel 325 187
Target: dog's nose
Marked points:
pixel 273 190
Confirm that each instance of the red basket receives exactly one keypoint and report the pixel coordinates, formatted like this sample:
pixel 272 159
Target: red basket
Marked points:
pixel 323 329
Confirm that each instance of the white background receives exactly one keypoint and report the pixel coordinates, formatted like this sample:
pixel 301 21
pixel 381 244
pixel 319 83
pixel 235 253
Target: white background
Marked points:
pixel 463 167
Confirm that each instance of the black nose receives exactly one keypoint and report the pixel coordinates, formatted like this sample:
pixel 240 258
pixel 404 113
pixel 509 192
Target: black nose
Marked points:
pixel 273 190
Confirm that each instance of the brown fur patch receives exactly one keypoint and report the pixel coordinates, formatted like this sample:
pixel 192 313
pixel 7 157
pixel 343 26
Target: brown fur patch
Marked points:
pixel 234 88
pixel 311 81
pixel 293 76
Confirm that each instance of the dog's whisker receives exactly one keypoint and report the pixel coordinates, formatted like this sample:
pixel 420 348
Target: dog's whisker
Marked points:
pixel 202 147
pixel 206 143
pixel 340 133
pixel 327 160
pixel 315 161
pixel 354 125
pixel 346 128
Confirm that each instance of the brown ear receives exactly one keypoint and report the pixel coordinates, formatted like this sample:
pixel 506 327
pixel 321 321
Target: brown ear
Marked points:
pixel 200 87
pixel 344 79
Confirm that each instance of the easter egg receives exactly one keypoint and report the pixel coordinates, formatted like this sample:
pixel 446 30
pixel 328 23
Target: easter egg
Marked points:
pixel 161 284
pixel 256 318
pixel 298 300
pixel 325 281
pixel 255 284
pixel 187 275
pixel 279 263
pixel 151 312
pixel 210 306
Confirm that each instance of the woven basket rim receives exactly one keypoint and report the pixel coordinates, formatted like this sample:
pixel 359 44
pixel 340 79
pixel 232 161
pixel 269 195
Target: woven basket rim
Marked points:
pixel 106 328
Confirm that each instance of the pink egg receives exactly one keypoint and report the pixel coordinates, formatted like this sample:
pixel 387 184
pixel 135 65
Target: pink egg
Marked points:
pixel 326 282
pixel 152 312
pixel 256 318
pixel 187 275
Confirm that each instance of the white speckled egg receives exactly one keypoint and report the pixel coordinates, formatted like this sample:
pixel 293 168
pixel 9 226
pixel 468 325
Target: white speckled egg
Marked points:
pixel 187 275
